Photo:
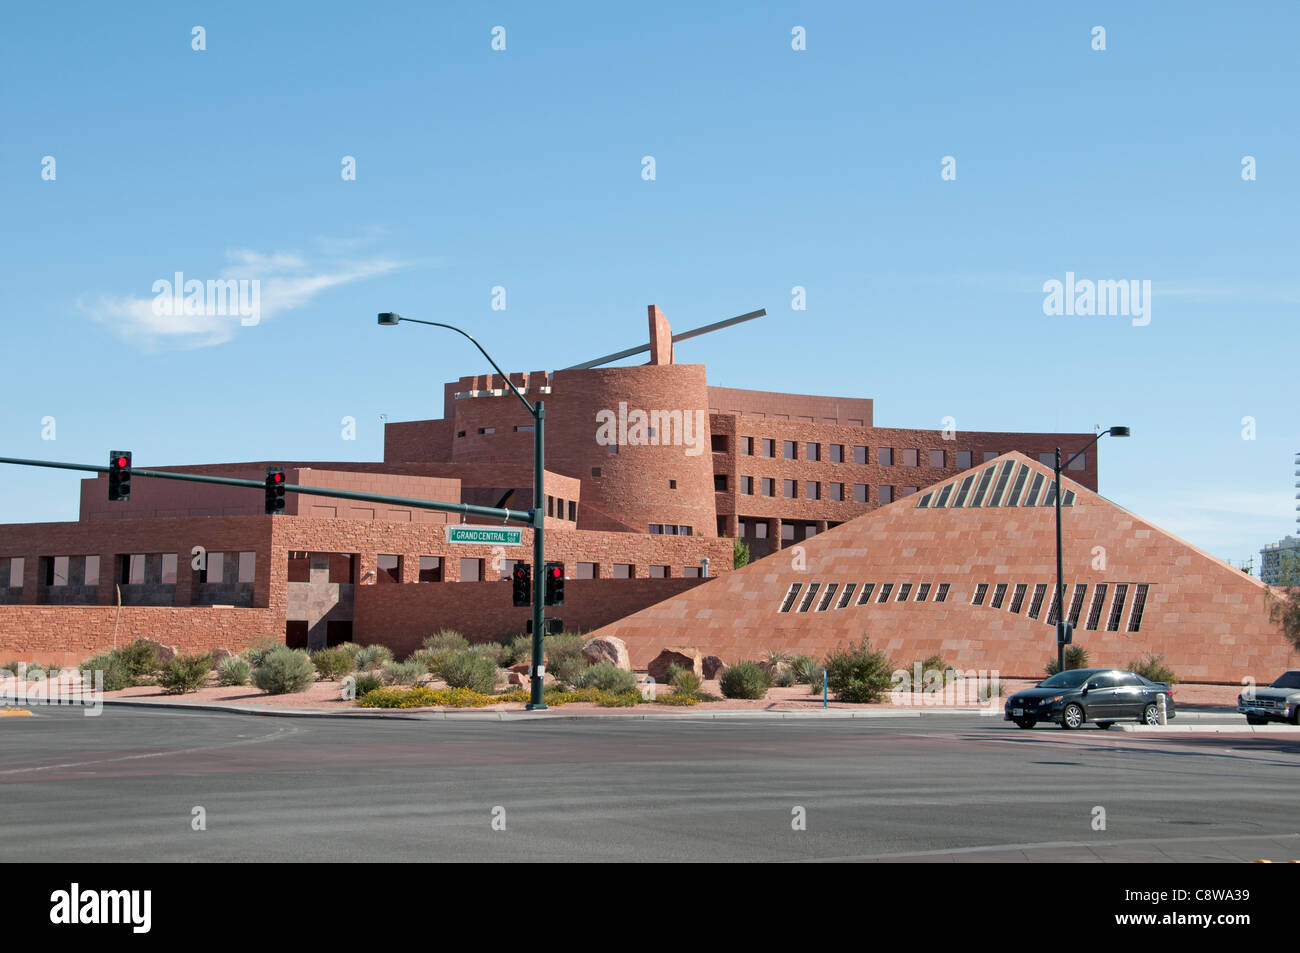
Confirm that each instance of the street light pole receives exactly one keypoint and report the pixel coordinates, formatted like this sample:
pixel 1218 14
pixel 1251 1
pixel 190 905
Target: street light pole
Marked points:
pixel 537 514
pixel 1060 575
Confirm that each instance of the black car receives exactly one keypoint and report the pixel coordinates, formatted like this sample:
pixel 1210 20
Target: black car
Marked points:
pixel 1278 702
pixel 1100 695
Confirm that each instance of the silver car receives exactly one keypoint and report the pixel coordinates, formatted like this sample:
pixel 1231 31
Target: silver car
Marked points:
pixel 1278 702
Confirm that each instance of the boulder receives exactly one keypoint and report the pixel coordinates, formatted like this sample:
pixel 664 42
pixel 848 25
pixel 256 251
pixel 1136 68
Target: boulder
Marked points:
pixel 220 655
pixel 607 648
pixel 165 653
pixel 712 665
pixel 688 659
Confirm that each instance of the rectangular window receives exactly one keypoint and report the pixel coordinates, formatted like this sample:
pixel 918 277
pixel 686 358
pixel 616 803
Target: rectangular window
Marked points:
pixel 430 569
pixel 213 572
pixel 860 455
pixel 1036 601
pixel 747 446
pixel 922 592
pixel 247 567
pixel 169 561
pixel 787 531
pixel 904 591
pixel 885 589
pixel 864 596
pixel 524 429
pixel 487 430
pixel 859 493
pixel 624 571
pixel 885 457
pixel 827 595
pixel 1117 610
pixel 837 492
pixel 812 489
pixel 91 577
pixel 812 452
pixel 909 490
pixel 1054 605
pixel 884 494
pixel 846 595
pixel 588 571
pixel 719 483
pixel 760 529
pixel 550 506
pixel 1098 601
pixel 788 449
pixel 1047 460
pixel 1139 606
pixel 990 455
pixel 980 591
pixel 769 447
pixel 837 453
pixel 613 448
pixel 791 594
pixel 963 460
pixel 658 572
pixel 942 594
pixel 16 572
pixel 718 443
pixel 924 502
pixel 1017 598
pixel 999 594
pixel 936 459
pixel 471 570
pixel 573 511
pixel 388 568
pixel 809 595
pixel 1076 603
pixel 1081 463
pixel 791 489
pixel 911 458
pixel 747 486
pixel 769 486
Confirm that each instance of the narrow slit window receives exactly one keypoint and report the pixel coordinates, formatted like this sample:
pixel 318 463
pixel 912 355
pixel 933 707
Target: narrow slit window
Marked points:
pixel 985 479
pixel 1000 487
pixel 904 591
pixel 1036 601
pixel 942 501
pixel 790 596
pixel 885 588
pixel 827 595
pixel 846 595
pixel 965 489
pixel 941 594
pixel 1098 601
pixel 999 595
pixel 1139 605
pixel 981 591
pixel 1017 598
pixel 1018 486
pixel 1117 610
pixel 1034 489
pixel 924 502
pixel 1054 606
pixel 864 596
pixel 1076 603
pixel 808 596
pixel 922 592
pixel 1049 498
pixel 1067 498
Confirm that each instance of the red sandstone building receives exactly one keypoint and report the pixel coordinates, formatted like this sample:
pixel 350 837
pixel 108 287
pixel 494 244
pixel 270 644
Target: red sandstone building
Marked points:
pixel 650 473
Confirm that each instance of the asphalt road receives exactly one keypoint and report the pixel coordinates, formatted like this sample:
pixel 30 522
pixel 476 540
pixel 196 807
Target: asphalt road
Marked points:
pixel 124 786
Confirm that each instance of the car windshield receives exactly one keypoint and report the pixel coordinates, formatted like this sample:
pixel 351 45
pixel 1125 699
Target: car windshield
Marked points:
pixel 1289 680
pixel 1070 679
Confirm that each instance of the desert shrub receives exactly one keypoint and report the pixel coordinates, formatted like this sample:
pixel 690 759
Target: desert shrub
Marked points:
pixel 774 660
pixel 564 657
pixel 685 682
pixel 234 671
pixel 258 651
pixel 805 668
pixel 859 674
pixel 34 671
pixel 332 663
pixel 403 673
pixel 351 648
pixel 521 649
pixel 1076 656
pixel 1153 667
pixel 672 672
pixel 284 672
pixel 10 667
pixel 627 698
pixel 993 687
pixel 497 652
pixel 422 696
pixel 469 670
pixel 140 659
pixel 784 678
pixel 679 698
pixel 739 555
pixel 744 680
pixel 446 640
pixel 53 671
pixel 373 657
pixel 933 663
pixel 116 675
pixel 185 673
pixel 607 677
pixel 367 682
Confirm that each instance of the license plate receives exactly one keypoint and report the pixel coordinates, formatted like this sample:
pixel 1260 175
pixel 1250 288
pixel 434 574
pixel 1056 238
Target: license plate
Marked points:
pixel 1017 711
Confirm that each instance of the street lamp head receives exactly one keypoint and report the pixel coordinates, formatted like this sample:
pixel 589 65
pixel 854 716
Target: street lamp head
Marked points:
pixel 1119 431
pixel 389 318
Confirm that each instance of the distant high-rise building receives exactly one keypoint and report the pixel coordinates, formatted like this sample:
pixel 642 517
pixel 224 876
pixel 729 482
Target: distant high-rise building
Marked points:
pixel 1274 556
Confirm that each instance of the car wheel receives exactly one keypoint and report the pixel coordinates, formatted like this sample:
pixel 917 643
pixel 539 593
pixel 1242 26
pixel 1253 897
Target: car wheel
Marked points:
pixel 1103 725
pixel 1295 717
pixel 1151 715
pixel 1026 722
pixel 1072 717
pixel 1255 720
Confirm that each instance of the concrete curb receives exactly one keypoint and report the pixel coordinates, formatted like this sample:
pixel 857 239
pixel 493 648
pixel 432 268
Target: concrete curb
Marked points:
pixel 1235 728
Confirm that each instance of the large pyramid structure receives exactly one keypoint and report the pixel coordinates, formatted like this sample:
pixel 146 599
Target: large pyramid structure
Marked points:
pixel 966 569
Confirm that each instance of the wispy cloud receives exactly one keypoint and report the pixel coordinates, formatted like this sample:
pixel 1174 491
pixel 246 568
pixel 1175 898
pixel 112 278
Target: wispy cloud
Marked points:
pixel 288 280
pixel 1230 524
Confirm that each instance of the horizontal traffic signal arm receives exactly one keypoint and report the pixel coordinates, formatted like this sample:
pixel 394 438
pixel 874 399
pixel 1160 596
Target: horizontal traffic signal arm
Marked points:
pixel 467 509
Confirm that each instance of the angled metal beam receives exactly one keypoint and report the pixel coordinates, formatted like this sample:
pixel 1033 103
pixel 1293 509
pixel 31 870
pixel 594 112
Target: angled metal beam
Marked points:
pixel 716 326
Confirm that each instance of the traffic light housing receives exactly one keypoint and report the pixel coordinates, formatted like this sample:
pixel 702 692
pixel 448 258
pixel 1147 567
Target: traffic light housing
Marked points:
pixel 274 491
pixel 1067 633
pixel 554 584
pixel 521 581
pixel 119 476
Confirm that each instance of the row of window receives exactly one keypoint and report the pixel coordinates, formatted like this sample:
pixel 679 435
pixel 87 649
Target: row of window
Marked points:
pixel 813 490
pixel 1118 593
pixel 982 489
pixel 885 456
pixel 389 569
pixel 60 571
pixel 866 594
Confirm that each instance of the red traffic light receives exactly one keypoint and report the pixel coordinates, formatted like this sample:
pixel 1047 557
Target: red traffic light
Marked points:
pixel 121 461
pixel 277 477
pixel 555 573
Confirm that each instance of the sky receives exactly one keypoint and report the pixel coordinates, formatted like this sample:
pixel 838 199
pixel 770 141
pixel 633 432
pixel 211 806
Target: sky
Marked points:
pixel 920 170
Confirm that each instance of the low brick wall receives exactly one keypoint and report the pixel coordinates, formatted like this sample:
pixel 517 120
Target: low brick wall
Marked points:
pixel 402 616
pixel 67 635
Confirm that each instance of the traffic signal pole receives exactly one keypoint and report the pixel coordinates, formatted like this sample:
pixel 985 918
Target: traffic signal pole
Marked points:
pixel 537 701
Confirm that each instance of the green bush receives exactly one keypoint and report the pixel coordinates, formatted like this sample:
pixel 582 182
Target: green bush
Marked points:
pixel 858 674
pixel 116 675
pixel 564 657
pixel 672 672
pixel 141 660
pixel 234 671
pixel 685 682
pixel 34 671
pixel 744 680
pixel 403 673
pixel 1153 667
pixel 679 698
pixel 497 652
pixel 332 663
pixel 739 555
pixel 607 677
pixel 784 678
pixel 806 669
pixel 351 648
pixel 628 698
pixel 367 682
pixel 259 650
pixel 373 657
pixel 521 649
pixel 933 663
pixel 469 670
pixel 285 671
pixel 10 667
pixel 185 673
pixel 446 640
pixel 422 696
pixel 1076 656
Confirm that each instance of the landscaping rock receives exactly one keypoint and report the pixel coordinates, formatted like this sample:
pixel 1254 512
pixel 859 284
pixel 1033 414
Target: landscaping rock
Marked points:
pixel 165 653
pixel 688 659
pixel 712 665
pixel 607 649
pixel 220 655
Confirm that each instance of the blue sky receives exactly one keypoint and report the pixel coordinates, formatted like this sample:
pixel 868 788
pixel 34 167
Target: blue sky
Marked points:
pixel 774 168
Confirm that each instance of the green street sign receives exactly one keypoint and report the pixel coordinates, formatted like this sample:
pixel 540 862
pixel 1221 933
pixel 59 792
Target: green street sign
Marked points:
pixel 485 535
